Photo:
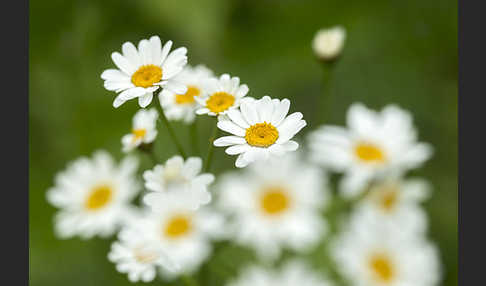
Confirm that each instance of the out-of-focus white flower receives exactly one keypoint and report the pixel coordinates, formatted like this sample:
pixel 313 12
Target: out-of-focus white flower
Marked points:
pixel 294 272
pixel 143 129
pixel 135 253
pixel 396 202
pixel 374 144
pixel 183 106
pixel 328 43
pixel 93 195
pixel 223 94
pixel 144 70
pixel 183 235
pixel 369 253
pixel 260 128
pixel 177 178
pixel 275 204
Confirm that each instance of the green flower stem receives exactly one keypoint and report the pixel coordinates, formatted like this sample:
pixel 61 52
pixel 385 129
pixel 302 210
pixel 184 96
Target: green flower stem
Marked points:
pixel 169 129
pixel 326 98
pixel 207 164
pixel 194 138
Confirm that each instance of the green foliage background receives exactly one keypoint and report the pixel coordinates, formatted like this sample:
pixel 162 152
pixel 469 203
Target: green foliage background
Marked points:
pixel 402 52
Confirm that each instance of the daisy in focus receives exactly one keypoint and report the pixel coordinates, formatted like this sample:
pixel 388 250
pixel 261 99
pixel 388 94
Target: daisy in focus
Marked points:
pixel 177 177
pixel 143 129
pixel 93 196
pixel 328 43
pixel 183 106
pixel 275 204
pixel 396 202
pixel 136 254
pixel 370 254
pixel 294 272
pixel 183 235
pixel 374 144
pixel 223 94
pixel 260 129
pixel 144 70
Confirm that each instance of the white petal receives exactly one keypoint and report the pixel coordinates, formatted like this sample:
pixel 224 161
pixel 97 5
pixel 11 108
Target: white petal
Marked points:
pixel 122 63
pixel 241 162
pixel 265 109
pixel 280 111
pixel 241 91
pixel 231 127
pixel 145 99
pixel 236 116
pixel 130 52
pixel 145 51
pixel 176 87
pixel 249 112
pixel 237 149
pixel 228 141
pixel 290 126
pixel 165 51
pixel 156 48
pixel 114 75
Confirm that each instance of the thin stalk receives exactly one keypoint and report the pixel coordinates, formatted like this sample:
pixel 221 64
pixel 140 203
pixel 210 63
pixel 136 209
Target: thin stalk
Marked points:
pixel 194 137
pixel 166 122
pixel 207 164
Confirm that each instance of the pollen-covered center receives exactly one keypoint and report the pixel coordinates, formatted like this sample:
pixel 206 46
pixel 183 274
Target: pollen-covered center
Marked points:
pixel 274 200
pixel 261 134
pixel 177 226
pixel 369 152
pixel 220 101
pixel 147 75
pixel 99 197
pixel 382 268
pixel 139 133
pixel 389 198
pixel 188 97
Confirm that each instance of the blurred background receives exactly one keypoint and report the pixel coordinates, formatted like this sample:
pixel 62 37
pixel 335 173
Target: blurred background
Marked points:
pixel 402 52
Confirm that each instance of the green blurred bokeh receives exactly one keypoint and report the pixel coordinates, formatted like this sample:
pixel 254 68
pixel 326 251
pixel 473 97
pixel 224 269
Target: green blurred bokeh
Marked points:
pixel 402 52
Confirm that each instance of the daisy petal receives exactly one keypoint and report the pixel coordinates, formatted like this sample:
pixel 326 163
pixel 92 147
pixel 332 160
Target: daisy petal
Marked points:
pixel 231 127
pixel 228 141
pixel 145 99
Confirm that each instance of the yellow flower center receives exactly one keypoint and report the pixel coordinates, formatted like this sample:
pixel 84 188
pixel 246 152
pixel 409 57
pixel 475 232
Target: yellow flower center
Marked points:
pixel 188 97
pixel 178 226
pixel 382 268
pixel 369 152
pixel 389 200
pixel 99 197
pixel 147 75
pixel 138 133
pixel 220 101
pixel 261 134
pixel 274 201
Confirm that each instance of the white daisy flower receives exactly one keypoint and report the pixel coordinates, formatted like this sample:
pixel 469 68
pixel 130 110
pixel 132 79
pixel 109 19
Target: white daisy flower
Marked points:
pixel 144 70
pixel 223 94
pixel 183 106
pixel 177 177
pixel 374 144
pixel 135 253
pixel 294 272
pixel 396 202
pixel 183 235
pixel 260 128
pixel 328 43
pixel 275 204
pixel 143 129
pixel 370 254
pixel 93 196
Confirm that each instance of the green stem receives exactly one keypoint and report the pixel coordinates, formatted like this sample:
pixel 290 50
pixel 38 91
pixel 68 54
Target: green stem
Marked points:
pixel 207 164
pixel 194 138
pixel 326 99
pixel 170 130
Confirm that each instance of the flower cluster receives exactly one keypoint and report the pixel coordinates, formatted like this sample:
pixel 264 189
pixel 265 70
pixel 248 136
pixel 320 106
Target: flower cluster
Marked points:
pixel 276 199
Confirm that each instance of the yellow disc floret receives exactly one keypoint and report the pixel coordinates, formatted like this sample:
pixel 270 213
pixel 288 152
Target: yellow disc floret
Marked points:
pixel 274 200
pixel 261 134
pixel 220 101
pixel 178 226
pixel 188 97
pixel 99 197
pixel 147 75
pixel 382 268
pixel 369 152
